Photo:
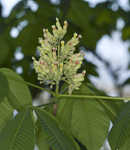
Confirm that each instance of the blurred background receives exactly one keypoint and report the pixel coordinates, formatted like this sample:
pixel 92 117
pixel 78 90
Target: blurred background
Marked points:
pixel 103 24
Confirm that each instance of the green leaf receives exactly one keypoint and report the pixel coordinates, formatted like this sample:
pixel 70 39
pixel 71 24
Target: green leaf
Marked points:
pixel 18 133
pixel 57 138
pixel 89 118
pixel 64 113
pixel 119 136
pixel 18 94
pixel 6 112
pixel 89 123
pixel 41 138
pixel 112 108
pixel 42 141
pixel 126 146
pixel 3 86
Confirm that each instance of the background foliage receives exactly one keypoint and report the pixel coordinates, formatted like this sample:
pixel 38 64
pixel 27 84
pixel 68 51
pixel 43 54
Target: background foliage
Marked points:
pixel 91 130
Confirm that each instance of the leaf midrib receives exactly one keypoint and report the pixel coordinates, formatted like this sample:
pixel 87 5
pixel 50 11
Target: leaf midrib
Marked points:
pixel 16 132
pixel 55 135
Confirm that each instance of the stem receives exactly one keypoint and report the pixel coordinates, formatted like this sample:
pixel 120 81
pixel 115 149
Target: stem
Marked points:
pixel 57 88
pixel 82 97
pixel 38 87
pixel 94 97
pixel 33 85
pixel 57 94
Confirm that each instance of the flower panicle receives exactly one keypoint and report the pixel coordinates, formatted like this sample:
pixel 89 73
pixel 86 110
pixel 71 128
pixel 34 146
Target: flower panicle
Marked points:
pixel 58 60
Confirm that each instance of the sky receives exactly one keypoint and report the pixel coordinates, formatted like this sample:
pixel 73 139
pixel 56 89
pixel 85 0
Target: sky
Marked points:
pixel 7 6
pixel 122 3
pixel 112 49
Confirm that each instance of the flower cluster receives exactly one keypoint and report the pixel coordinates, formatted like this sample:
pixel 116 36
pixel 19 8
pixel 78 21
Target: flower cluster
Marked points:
pixel 57 61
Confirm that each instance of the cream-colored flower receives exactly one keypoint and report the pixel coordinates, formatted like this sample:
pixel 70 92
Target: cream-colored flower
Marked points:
pixel 57 61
